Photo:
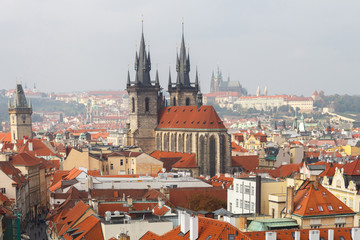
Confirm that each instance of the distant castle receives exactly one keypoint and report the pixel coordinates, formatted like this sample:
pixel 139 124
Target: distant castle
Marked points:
pixel 219 85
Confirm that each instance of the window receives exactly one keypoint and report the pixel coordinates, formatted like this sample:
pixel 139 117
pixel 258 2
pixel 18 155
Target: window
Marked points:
pixel 147 104
pixel 132 171
pixel 330 207
pixel 237 202
pixel 252 206
pixel 237 187
pixel 247 189
pixel 132 161
pixel 126 161
pixel 121 162
pixel 345 200
pixel 320 208
pixel 252 191
pixel 241 188
pixel 174 101
pixel 247 205
pixel 231 237
pixel 3 190
pixel 111 166
pixel 241 203
pixel 133 104
pixel 187 101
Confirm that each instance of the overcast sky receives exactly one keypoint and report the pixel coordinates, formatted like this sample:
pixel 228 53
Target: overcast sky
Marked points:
pixel 290 46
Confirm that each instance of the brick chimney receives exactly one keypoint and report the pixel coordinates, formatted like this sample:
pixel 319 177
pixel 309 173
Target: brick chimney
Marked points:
pixel 289 200
pixel 315 181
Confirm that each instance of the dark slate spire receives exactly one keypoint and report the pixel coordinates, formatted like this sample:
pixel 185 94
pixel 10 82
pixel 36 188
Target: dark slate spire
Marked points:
pixel 183 64
pixel 19 98
pixel 142 64
pixel 157 78
pixel 197 80
pixel 128 79
pixel 169 84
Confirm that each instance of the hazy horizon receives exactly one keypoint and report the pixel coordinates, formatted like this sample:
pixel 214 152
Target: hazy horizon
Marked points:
pixel 291 47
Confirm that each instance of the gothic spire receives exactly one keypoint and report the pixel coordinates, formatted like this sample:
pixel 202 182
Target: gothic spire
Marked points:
pixel 169 84
pixel 128 79
pixel 142 64
pixel 157 78
pixel 183 63
pixel 19 98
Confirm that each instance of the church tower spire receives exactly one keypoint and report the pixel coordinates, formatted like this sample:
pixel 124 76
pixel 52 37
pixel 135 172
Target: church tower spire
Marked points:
pixel 184 92
pixel 144 101
pixel 20 112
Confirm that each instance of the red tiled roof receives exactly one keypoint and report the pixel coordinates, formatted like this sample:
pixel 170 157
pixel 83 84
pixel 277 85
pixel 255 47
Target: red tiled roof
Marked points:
pixel 24 159
pixel 353 168
pixel 221 181
pixel 89 228
pixel 39 148
pixel 13 173
pixel 285 170
pixel 311 201
pixel 5 137
pixel 175 159
pixel 207 227
pixel 161 211
pixel 304 234
pixel 237 148
pixel 190 117
pixel 247 162
pixel 124 207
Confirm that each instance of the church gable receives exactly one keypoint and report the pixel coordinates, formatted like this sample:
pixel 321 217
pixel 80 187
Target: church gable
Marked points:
pixel 190 117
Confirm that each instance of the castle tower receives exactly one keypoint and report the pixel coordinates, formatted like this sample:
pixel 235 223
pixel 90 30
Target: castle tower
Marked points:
pixel 183 92
pixel 20 115
pixel 258 91
pixel 145 101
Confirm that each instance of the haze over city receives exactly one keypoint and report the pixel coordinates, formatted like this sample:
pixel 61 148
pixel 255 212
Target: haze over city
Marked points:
pixel 293 47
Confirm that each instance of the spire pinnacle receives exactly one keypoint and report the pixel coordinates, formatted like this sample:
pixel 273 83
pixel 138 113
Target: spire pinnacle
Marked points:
pixel 169 84
pixel 157 78
pixel 128 78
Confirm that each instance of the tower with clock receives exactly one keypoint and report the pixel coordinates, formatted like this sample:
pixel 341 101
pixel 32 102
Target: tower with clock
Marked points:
pixel 20 115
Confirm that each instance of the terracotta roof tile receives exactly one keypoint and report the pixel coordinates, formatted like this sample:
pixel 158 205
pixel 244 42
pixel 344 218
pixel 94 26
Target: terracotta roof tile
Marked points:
pixel 189 117
pixel 247 162
pixel 311 201
pixel 24 159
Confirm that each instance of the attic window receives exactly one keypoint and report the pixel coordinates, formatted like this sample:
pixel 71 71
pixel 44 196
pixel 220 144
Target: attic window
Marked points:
pixel 320 208
pixel 298 207
pixel 184 110
pixel 340 207
pixel 168 121
pixel 211 122
pixel 311 209
pixel 162 122
pixel 184 122
pixel 330 207
pixel 204 122
pixel 191 110
pixel 198 122
pixel 177 122
pixel 175 110
pixel 192 122
pixel 168 109
pixel 205 110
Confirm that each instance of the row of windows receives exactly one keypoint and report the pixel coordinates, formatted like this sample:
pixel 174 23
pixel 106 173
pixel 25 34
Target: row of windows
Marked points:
pixel 147 103
pixel 245 189
pixel 244 204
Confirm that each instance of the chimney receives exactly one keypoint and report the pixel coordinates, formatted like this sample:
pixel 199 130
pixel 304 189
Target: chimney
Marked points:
pixel 289 200
pixel 184 222
pixel 355 233
pixel 297 235
pixel 258 195
pixel 129 201
pixel 270 236
pixel 331 234
pixel 243 221
pixel 30 146
pixel 315 181
pixel 314 235
pixel 194 228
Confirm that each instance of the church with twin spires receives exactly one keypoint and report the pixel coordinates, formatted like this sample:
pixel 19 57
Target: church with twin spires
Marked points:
pixel 185 126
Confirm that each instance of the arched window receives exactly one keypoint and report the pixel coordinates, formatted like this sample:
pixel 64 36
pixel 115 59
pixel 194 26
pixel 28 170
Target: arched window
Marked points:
pixel 187 101
pixel 133 104
pixel 174 101
pixel 147 104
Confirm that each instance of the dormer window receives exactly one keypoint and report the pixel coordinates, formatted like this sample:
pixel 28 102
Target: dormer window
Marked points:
pixel 330 207
pixel 320 208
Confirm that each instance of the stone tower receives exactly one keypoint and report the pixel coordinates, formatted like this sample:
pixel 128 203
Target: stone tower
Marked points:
pixel 183 92
pixel 20 115
pixel 145 100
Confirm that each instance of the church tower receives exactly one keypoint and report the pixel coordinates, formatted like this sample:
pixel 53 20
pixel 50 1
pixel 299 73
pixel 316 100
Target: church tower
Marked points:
pixel 183 92
pixel 145 101
pixel 20 115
